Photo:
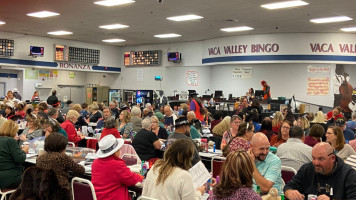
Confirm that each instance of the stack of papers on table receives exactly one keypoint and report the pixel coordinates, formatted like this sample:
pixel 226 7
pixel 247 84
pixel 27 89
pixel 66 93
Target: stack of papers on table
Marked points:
pixel 30 155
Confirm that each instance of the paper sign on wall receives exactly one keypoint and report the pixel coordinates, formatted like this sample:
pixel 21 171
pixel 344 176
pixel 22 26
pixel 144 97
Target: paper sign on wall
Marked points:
pixel 318 86
pixel 324 69
pixel 242 73
pixel 31 73
pixel 192 78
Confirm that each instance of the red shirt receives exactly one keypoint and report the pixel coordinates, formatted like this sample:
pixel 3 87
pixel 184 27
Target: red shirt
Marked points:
pixel 330 115
pixel 275 142
pixel 111 177
pixel 108 131
pixel 68 126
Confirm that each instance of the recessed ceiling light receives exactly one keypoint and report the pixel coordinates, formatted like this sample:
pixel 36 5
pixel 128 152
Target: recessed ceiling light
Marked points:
pixel 236 29
pixel 113 26
pixel 331 19
pixel 60 33
pixel 113 2
pixel 284 4
pixel 42 14
pixel 2 22
pixel 185 18
pixel 169 35
pixel 114 40
pixel 349 29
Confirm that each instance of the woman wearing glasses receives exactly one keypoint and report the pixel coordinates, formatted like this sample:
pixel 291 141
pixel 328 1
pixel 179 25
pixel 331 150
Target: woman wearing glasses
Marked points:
pixel 33 129
pixel 235 178
pixel 283 134
pixel 234 126
pixel 335 137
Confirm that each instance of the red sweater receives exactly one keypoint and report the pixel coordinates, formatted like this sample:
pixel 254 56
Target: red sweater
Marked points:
pixel 111 177
pixel 68 126
pixel 108 131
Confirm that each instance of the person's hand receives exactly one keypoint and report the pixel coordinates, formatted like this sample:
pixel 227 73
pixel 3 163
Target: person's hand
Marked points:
pixel 23 137
pixel 82 136
pixel 323 197
pixel 213 182
pixel 252 156
pixel 201 189
pixel 25 148
pixel 294 195
pixel 47 134
pixel 16 137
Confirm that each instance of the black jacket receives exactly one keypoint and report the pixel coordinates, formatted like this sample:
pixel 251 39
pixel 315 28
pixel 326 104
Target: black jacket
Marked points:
pixel 342 180
pixel 52 100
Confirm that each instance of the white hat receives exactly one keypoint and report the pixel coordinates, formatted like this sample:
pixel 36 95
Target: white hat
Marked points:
pixel 108 145
pixel 15 90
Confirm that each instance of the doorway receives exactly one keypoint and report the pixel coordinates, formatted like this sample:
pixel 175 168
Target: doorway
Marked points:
pixel 75 93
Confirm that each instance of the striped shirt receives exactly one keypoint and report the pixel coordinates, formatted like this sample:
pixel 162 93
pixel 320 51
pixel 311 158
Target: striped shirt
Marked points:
pixel 351 160
pixel 294 153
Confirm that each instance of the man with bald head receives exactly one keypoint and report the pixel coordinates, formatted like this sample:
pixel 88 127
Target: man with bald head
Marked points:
pixel 327 175
pixel 267 166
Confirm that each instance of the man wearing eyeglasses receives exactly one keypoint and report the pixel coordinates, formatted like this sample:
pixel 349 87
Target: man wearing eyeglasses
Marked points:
pixel 326 176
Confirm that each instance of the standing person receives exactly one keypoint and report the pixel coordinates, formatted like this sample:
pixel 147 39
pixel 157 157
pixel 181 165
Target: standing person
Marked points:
pixel 53 99
pixel 110 175
pixel 326 171
pixel 15 91
pixel 237 169
pixel 266 91
pixel 57 160
pixel 196 106
pixel 169 178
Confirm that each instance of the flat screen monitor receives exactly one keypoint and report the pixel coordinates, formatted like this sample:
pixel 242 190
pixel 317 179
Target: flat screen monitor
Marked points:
pixel 259 94
pixel 36 51
pixel 173 56
pixel 218 93
pixel 144 96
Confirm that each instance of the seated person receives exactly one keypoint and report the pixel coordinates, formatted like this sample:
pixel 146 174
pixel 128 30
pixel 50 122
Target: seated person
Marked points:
pixel 125 126
pixel 95 115
pixel 326 171
pixel 50 125
pixel 237 169
pixel 114 110
pixel 241 141
pixel 316 132
pixel 110 128
pixel 194 121
pixel 38 182
pixel 20 113
pixel 232 132
pixel 33 129
pixel 267 166
pixel 10 113
pixel 68 126
pixel 222 127
pixel 266 128
pixel 136 119
pixel 11 156
pixel 146 142
pixel 283 134
pixel 218 116
pixel 159 131
pixel 348 134
pixel 81 120
pixel 169 178
pixel 57 160
pixel 110 175
pixel 101 122
pixel 335 138
pixel 169 117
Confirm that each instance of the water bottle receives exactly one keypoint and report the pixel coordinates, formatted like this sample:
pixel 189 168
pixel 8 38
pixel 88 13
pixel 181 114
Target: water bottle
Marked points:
pixel 214 147
pixel 142 164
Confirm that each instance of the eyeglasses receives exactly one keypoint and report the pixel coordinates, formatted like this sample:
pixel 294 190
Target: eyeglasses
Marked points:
pixel 286 127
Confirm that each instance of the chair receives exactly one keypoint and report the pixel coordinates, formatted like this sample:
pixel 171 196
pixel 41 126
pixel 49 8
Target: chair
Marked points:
pixel 287 173
pixel 216 163
pixel 70 144
pixel 146 198
pixel 128 149
pixel 82 189
pixel 131 159
pixel 5 192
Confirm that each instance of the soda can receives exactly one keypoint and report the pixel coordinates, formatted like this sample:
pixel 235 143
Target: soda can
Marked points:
pixel 312 197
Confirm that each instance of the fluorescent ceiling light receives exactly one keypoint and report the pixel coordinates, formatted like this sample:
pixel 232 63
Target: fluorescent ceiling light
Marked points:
pixel 284 4
pixel 185 18
pixel 42 14
pixel 331 19
pixel 113 2
pixel 169 35
pixel 236 29
pixel 349 29
pixel 2 22
pixel 114 40
pixel 113 26
pixel 60 33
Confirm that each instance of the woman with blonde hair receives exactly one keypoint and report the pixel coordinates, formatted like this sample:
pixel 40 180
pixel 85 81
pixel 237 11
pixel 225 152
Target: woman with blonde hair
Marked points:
pixel 222 127
pixel 277 121
pixel 303 123
pixel 81 121
pixel 95 115
pixel 169 178
pixel 319 117
pixel 235 178
pixel 125 126
pixel 11 156
pixel 68 126
pixel 335 137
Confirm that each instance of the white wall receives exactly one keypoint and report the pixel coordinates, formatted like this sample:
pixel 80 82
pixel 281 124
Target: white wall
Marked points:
pixel 10 83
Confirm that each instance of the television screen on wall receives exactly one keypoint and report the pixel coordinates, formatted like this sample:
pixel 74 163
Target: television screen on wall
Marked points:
pixel 36 51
